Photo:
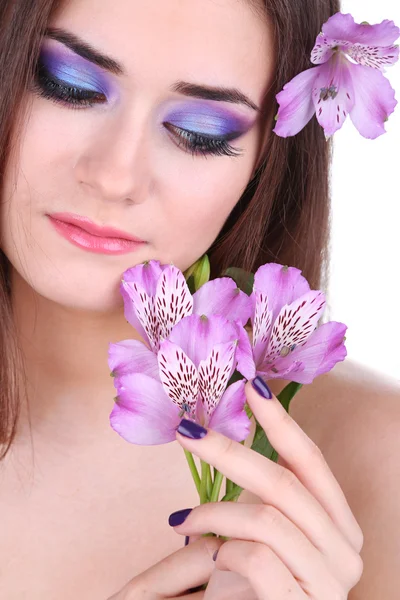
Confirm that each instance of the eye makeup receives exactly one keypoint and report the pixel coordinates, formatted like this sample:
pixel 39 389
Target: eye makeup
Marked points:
pixel 208 119
pixel 63 65
pixel 200 126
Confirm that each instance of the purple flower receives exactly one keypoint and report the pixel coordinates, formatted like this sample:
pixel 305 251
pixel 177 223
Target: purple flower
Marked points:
pixel 287 344
pixel 187 377
pixel 349 80
pixel 156 297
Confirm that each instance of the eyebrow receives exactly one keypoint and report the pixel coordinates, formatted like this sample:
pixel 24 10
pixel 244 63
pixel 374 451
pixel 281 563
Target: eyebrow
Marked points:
pixel 193 90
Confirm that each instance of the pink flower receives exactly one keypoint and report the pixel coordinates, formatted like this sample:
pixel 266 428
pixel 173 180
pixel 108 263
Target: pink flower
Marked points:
pixel 287 341
pixel 187 376
pixel 349 80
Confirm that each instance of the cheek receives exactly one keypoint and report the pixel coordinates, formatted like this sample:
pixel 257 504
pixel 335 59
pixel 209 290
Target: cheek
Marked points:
pixel 197 211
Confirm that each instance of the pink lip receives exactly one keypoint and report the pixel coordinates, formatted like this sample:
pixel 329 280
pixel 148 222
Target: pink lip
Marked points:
pixel 82 232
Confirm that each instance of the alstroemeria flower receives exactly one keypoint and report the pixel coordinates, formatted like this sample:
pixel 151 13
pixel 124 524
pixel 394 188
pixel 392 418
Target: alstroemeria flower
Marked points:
pixel 348 81
pixel 194 366
pixel 287 342
pixel 156 297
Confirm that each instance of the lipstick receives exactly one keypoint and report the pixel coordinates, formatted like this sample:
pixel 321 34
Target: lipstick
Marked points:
pixel 85 234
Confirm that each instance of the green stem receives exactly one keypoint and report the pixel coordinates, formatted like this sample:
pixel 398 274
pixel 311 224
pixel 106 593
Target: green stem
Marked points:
pixel 193 470
pixel 203 484
pixel 218 479
pixel 209 483
pixel 233 494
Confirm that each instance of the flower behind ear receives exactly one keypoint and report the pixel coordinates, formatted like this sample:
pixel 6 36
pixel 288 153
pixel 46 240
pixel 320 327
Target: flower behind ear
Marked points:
pixel 347 81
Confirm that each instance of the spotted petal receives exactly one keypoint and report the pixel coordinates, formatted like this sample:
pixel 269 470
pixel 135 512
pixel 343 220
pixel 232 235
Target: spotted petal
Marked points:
pixel 374 56
pixel 374 101
pixel 140 312
pixel 295 323
pixel 229 417
pixel 197 335
pixel 281 284
pixel 222 297
pixel 333 94
pixel 296 107
pixel 214 374
pixel 178 375
pixel 324 348
pixel 173 299
pixel 132 356
pixel 145 276
pixel 143 413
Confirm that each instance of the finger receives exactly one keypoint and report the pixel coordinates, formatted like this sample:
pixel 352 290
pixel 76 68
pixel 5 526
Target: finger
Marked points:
pixel 192 566
pixel 306 461
pixel 273 484
pixel 267 525
pixel 268 576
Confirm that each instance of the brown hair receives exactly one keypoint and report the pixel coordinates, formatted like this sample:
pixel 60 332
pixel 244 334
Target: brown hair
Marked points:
pixel 282 216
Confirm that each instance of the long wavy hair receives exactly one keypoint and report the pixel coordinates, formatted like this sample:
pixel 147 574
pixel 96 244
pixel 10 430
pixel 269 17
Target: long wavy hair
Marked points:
pixel 283 215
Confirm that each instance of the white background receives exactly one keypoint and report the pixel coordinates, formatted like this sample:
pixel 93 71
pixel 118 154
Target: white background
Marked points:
pixel 364 288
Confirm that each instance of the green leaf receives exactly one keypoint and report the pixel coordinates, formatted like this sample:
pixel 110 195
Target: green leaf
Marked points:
pixel 198 274
pixel 243 279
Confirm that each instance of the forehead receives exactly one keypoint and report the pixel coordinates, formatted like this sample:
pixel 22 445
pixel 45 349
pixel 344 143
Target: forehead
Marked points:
pixel 215 42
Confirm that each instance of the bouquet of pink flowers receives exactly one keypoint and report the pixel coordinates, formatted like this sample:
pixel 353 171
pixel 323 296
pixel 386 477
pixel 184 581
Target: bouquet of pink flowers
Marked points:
pixel 197 352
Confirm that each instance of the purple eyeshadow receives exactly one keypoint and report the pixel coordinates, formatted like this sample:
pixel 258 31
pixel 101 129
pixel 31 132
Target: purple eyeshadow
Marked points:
pixel 73 70
pixel 208 119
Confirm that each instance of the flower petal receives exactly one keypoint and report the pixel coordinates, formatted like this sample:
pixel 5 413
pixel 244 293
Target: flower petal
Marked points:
pixel 295 103
pixel 343 27
pixel 197 335
pixel 139 312
pixel 244 353
pixel 374 101
pixel 333 95
pixel 173 300
pixel 324 348
pixel 374 56
pixel 263 319
pixel 281 284
pixel 214 373
pixel 229 417
pixel 146 275
pixel 178 375
pixel 222 297
pixel 143 414
pixel 295 324
pixel 325 47
pixel 132 356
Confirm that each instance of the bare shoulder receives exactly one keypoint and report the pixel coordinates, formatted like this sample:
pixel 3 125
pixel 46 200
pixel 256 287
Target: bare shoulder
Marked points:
pixel 352 403
pixel 353 415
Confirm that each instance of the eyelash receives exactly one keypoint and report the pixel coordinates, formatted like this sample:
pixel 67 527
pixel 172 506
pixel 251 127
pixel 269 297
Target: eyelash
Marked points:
pixel 76 98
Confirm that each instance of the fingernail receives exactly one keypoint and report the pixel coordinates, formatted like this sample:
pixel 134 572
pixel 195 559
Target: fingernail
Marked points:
pixel 187 538
pixel 261 388
pixel 179 517
pixel 191 429
pixel 215 555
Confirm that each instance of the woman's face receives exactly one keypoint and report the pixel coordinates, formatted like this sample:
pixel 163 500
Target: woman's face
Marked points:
pixel 124 159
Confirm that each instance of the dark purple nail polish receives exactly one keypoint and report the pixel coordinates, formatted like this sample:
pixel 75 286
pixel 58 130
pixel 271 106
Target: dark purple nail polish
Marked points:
pixel 191 429
pixel 215 555
pixel 261 388
pixel 179 517
pixel 187 538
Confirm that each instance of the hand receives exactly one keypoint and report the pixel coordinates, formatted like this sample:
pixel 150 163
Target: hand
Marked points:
pixel 174 575
pixel 302 542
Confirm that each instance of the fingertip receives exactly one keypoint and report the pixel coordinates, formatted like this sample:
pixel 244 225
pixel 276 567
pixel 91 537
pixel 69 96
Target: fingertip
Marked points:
pixel 260 386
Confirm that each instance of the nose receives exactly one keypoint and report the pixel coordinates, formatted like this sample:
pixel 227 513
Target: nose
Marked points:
pixel 114 162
